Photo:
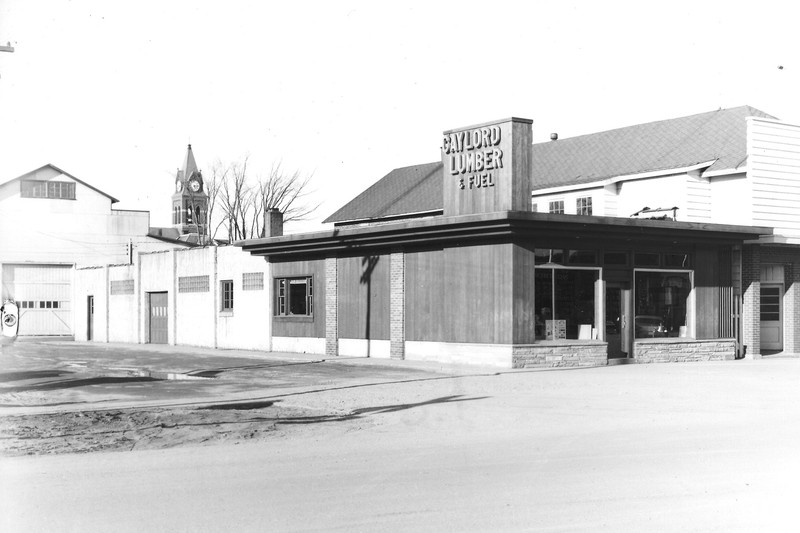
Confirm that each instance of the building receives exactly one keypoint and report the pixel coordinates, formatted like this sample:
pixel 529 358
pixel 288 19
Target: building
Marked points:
pixel 515 254
pixel 190 202
pixel 52 223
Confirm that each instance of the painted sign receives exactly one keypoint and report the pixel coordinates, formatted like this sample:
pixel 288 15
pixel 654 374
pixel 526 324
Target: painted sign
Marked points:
pixel 555 329
pixel 473 155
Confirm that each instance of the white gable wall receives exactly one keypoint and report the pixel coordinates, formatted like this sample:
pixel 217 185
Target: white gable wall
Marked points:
pixel 773 172
pixel 85 231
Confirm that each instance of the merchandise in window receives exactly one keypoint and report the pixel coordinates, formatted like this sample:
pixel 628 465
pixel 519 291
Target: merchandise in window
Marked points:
pixel 565 303
pixel 662 300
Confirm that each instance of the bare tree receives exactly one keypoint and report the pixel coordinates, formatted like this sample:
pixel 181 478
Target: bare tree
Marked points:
pixel 243 199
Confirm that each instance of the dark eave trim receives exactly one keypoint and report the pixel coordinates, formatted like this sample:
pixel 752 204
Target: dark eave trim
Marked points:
pixel 504 226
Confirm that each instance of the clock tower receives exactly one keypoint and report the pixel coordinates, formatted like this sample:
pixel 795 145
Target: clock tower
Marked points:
pixel 190 201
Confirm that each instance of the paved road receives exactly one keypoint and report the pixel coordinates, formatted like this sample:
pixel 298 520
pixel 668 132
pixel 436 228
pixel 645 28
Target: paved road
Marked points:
pixel 674 447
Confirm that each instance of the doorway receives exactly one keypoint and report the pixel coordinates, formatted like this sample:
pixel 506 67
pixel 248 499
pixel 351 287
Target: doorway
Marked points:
pixel 157 318
pixel 618 320
pixel 771 317
pixel 90 318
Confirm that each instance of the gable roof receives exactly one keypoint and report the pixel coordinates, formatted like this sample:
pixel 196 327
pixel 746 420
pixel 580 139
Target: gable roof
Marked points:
pixel 403 191
pixel 717 136
pixel 49 165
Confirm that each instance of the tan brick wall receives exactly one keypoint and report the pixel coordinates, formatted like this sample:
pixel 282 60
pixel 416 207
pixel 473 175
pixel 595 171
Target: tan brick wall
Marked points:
pixel 331 308
pixel 397 304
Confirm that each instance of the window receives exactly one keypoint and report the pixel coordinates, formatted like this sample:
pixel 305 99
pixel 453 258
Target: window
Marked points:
pixel 557 207
pixel 294 297
pixel 534 207
pixel 193 284
pixel 253 281
pixel 565 303
pixel 60 190
pixel 583 205
pixel 662 301
pixel 226 291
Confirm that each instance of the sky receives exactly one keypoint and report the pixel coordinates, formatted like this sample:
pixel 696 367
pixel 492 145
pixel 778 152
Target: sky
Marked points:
pixel 346 91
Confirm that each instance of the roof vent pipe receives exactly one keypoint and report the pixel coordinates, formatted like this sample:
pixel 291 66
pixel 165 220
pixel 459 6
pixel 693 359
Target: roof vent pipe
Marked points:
pixel 554 136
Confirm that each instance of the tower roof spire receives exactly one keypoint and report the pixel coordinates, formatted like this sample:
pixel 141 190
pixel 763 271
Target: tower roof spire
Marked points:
pixel 189 165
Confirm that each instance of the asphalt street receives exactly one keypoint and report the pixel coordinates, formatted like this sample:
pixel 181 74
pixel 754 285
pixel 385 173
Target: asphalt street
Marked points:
pixel 670 447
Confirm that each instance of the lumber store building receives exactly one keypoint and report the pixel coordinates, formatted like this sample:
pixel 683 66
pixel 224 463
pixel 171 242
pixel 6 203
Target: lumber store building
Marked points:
pixel 666 241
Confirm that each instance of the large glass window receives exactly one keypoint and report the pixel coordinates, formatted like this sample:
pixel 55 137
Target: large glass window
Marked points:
pixel 662 303
pixel 565 303
pixel 294 297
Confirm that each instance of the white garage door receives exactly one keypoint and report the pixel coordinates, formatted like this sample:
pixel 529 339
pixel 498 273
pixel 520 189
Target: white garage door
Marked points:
pixel 43 294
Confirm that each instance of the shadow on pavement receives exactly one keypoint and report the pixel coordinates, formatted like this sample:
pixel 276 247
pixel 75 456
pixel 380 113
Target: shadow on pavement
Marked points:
pixel 32 374
pixel 72 383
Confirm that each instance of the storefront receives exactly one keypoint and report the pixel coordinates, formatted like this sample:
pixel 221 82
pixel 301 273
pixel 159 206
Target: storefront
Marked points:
pixel 485 280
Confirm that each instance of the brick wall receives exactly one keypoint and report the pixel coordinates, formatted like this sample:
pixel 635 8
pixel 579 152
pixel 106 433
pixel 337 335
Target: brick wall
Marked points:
pixel 331 308
pixel 397 303
pixel 789 257
pixel 559 355
pixel 751 299
pixel 685 351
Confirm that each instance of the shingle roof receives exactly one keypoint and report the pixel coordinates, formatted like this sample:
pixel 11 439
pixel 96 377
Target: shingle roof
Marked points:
pixel 402 191
pixel 718 136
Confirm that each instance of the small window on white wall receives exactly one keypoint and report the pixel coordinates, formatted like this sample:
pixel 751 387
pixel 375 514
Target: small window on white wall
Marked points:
pixel 556 207
pixel 583 205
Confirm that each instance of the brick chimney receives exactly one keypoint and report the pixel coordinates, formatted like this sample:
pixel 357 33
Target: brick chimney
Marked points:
pixel 273 223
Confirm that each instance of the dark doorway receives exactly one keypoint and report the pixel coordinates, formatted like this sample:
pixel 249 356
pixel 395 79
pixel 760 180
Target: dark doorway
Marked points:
pixel 90 318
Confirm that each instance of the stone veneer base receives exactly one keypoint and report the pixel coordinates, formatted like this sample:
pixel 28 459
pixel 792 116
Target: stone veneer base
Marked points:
pixel 560 354
pixel 680 351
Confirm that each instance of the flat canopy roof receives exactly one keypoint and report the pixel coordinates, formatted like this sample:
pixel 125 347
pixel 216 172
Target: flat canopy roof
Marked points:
pixel 505 226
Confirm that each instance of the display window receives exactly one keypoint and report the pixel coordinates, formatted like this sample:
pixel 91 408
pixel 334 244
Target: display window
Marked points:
pixel 662 303
pixel 566 303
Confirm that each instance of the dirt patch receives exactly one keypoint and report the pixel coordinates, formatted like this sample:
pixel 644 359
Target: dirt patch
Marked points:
pixel 155 428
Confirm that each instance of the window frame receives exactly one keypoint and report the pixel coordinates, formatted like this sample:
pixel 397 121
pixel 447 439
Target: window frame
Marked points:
pixel 550 205
pixel 283 299
pixel 226 300
pixel 691 332
pixel 599 301
pixel 583 203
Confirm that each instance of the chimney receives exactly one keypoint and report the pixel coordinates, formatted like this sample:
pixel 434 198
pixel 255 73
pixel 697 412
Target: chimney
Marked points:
pixel 273 223
pixel 554 136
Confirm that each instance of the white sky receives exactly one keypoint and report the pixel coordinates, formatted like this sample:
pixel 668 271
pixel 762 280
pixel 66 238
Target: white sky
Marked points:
pixel 112 92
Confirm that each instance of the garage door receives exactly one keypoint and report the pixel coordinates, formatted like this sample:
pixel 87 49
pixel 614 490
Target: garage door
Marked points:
pixel 43 294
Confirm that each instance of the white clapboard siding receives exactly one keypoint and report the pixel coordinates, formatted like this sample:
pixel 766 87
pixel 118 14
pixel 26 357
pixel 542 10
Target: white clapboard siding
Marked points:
pixel 774 175
pixel 698 199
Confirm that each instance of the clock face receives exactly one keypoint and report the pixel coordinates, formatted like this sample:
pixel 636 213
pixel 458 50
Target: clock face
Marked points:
pixel 178 186
pixel 194 185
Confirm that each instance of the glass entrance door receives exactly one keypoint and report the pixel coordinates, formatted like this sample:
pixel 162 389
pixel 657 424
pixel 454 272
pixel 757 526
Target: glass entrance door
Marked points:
pixel 618 320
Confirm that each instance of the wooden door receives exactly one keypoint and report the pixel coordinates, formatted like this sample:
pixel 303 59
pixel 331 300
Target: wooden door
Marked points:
pixel 158 323
pixel 772 317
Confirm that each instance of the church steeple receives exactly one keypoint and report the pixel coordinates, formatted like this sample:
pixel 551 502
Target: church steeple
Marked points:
pixel 190 201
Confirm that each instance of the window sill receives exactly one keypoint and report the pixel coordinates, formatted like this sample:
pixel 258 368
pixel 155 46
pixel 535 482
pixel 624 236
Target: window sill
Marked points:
pixel 294 318
pixel 226 314
pixel 569 342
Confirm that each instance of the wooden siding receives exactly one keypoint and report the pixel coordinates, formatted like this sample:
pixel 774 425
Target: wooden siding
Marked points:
pixel 698 199
pixel 363 294
pixel 313 326
pixel 460 295
pixel 774 174
pixel 713 292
